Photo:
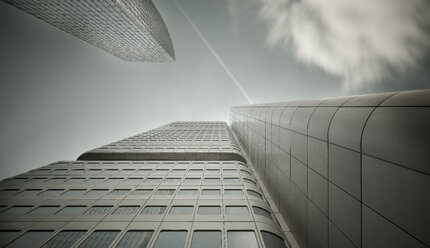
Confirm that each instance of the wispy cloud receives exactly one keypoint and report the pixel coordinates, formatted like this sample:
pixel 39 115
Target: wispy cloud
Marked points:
pixel 361 41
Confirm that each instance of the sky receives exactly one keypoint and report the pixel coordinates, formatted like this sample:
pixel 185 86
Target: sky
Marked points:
pixel 60 96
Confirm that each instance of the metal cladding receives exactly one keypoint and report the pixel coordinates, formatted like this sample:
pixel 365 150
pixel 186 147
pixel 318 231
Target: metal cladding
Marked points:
pixel 208 201
pixel 131 30
pixel 348 171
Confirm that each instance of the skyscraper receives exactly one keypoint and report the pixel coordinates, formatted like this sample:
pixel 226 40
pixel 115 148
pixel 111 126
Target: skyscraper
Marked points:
pixel 131 30
pixel 186 184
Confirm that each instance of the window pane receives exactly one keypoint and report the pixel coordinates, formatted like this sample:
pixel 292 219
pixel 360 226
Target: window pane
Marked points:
pixel 209 210
pixel 142 192
pixel 236 210
pixel 6 235
pixel 211 180
pixel 153 179
pixel 254 193
pixel 72 210
pixel 29 192
pixel 30 239
pixel 188 192
pixel 240 239
pixel 8 192
pixel 74 192
pixel 44 210
pixel 211 192
pixel 119 192
pixel 51 192
pixel 233 192
pixel 96 192
pixel 99 210
pixel 171 239
pixel 172 179
pixel 271 240
pixel 154 210
pixel 17 210
pixel 231 180
pixel 99 239
pixel 64 239
pixel 262 212
pixel 181 210
pixel 206 239
pixel 135 239
pixel 126 210
pixel 246 180
pixel 165 192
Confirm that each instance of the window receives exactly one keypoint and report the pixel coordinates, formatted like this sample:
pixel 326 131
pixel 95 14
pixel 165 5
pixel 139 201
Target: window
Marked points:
pixel 119 192
pixel 212 171
pixel 272 240
pixel 249 181
pixel 74 192
pixel 153 179
pixel 165 192
pixel 96 192
pixel 114 180
pixel 231 180
pixel 192 180
pixel 51 192
pixel 172 179
pixel 65 239
pixel 134 180
pixel 6 235
pixel 206 239
pixel 135 239
pixel 56 180
pixel 171 239
pixel 76 170
pixel 44 210
pixel 211 179
pixel 72 210
pixel 30 239
pixel 142 192
pixel 239 239
pixel 233 192
pixel 254 193
pixel 181 210
pixel 17 210
pixel 99 210
pixel 76 180
pixel 262 212
pixel 236 210
pixel 99 239
pixel 154 210
pixel 29 192
pixel 8 192
pixel 126 210
pixel 211 192
pixel 95 180
pixel 229 171
pixel 17 180
pixel 246 172
pixel 209 210
pixel 188 192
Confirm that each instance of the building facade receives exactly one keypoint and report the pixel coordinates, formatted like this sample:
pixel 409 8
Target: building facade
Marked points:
pixel 345 172
pixel 131 30
pixel 186 184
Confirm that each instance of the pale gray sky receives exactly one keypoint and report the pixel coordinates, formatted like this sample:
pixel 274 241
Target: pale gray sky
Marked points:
pixel 60 96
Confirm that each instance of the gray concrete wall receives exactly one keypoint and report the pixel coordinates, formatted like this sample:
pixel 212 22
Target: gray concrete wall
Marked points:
pixel 345 172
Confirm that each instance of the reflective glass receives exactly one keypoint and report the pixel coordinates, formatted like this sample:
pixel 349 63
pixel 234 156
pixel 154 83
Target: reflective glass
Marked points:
pixel 30 239
pixel 240 239
pixel 181 210
pixel 209 210
pixel 236 210
pixel 206 239
pixel 272 240
pixel 135 239
pixel 154 210
pixel 99 239
pixel 65 239
pixel 171 239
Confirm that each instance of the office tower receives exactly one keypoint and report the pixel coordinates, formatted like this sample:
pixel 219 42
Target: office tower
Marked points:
pixel 346 171
pixel 131 30
pixel 186 184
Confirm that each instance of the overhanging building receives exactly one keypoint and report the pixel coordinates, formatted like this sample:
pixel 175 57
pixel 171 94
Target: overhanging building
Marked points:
pixel 131 30
pixel 338 172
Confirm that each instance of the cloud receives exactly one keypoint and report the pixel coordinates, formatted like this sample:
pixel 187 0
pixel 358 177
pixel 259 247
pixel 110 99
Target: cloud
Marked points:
pixel 362 41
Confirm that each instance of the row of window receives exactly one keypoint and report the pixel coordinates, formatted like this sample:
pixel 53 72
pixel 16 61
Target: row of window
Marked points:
pixel 149 163
pixel 133 209
pixel 142 238
pixel 118 192
pixel 132 180
pixel 144 170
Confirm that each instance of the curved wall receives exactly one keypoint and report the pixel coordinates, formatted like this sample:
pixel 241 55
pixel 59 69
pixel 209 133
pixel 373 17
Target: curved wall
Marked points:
pixel 345 172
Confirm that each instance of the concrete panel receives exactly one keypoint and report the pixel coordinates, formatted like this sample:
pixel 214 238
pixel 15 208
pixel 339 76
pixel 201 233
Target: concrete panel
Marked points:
pixel 299 175
pixel 320 121
pixel 318 156
pixel 347 126
pixel 368 100
pixel 299 147
pixel 409 98
pixel 345 212
pixel 344 169
pixel 318 190
pixel 300 119
pixel 318 227
pixel 405 189
pixel 400 135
